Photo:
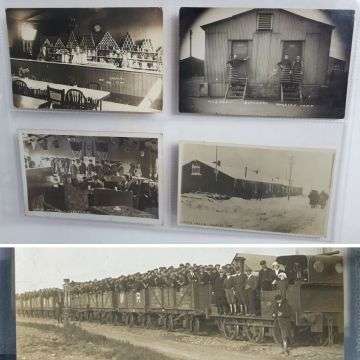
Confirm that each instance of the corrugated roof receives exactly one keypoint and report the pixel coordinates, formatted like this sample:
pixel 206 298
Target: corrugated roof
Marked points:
pixel 238 173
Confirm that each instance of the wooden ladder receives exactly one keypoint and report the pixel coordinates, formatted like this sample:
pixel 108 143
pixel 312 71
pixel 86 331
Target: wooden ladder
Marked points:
pixel 238 90
pixel 291 93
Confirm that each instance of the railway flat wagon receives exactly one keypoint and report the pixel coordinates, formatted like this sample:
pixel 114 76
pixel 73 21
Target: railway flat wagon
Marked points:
pixel 183 306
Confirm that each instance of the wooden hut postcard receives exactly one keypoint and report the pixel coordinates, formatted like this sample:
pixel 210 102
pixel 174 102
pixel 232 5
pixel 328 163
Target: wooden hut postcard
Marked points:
pixel 94 59
pixel 278 190
pixel 265 62
pixel 179 302
pixel 98 176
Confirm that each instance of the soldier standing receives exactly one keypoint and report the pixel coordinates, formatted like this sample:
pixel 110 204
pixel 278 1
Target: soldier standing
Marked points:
pixel 266 277
pixel 229 292
pixel 281 313
pixel 219 292
pixel 251 288
pixel 239 283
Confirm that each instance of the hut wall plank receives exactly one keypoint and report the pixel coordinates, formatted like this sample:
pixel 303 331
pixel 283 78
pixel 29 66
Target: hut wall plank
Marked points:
pixel 311 62
pixel 265 48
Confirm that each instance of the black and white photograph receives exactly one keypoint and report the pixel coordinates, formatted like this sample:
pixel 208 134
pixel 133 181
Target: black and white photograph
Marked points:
pixel 265 62
pixel 94 59
pixel 91 176
pixel 167 303
pixel 278 190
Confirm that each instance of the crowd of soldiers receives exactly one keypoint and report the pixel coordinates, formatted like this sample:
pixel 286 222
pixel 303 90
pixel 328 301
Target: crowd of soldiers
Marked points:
pixel 235 291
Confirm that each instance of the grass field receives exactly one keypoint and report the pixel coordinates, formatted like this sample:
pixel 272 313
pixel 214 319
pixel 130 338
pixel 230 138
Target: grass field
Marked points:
pixel 45 341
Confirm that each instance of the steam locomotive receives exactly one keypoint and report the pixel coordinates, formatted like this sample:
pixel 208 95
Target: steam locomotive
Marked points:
pixel 315 294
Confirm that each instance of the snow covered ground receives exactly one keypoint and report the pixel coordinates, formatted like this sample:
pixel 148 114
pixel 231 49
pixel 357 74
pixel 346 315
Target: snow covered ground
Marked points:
pixel 293 216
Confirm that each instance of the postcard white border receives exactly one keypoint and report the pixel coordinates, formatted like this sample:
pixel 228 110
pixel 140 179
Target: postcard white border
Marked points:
pixel 332 198
pixel 90 217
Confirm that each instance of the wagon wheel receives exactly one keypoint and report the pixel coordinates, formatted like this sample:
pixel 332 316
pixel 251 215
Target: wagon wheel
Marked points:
pixel 194 325
pixel 148 321
pixel 327 337
pixel 231 331
pixel 142 320
pixel 255 334
pixel 220 324
pixel 170 326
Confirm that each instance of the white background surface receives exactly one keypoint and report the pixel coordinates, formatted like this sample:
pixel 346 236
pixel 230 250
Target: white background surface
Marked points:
pixel 342 135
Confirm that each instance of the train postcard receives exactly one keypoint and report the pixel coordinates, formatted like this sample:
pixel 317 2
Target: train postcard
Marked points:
pixel 179 302
pixel 91 175
pixel 86 59
pixel 265 62
pixel 267 189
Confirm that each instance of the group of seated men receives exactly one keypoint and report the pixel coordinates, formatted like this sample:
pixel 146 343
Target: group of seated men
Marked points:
pixel 100 174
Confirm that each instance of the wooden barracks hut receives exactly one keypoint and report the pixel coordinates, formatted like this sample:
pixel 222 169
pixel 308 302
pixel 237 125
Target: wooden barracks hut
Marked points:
pixel 261 38
pixel 198 176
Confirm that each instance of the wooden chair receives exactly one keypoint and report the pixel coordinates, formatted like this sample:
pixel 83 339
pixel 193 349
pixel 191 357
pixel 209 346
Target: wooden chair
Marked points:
pixel 55 98
pixel 75 99
pixel 20 88
pixel 94 86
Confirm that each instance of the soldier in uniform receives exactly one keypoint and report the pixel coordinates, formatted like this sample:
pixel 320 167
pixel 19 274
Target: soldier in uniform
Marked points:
pixel 252 284
pixel 266 277
pixel 282 313
pixel 229 292
pixel 239 283
pixel 219 292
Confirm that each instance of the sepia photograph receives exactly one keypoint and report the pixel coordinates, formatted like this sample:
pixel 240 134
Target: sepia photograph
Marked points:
pixel 164 303
pixel 91 176
pixel 265 62
pixel 86 59
pixel 278 190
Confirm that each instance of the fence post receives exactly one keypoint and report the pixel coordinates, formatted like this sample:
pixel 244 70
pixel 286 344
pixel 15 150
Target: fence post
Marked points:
pixel 67 303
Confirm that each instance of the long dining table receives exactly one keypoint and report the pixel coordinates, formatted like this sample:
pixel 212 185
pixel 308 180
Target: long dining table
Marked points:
pixel 97 95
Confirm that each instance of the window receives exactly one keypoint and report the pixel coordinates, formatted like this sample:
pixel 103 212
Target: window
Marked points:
pixel 195 170
pixel 264 21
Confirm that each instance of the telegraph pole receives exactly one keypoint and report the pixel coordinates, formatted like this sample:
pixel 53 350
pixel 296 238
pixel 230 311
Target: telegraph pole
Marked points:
pixel 216 164
pixel 291 166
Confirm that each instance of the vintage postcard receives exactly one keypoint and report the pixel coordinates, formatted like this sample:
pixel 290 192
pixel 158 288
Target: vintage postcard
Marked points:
pixel 280 190
pixel 91 175
pixel 265 62
pixel 163 303
pixel 94 59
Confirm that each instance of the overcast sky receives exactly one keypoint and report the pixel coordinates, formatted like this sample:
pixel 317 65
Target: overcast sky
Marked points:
pixel 311 168
pixel 38 268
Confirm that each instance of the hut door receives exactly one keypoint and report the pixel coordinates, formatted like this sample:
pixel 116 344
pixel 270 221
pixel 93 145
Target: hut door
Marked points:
pixel 292 49
pixel 240 50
